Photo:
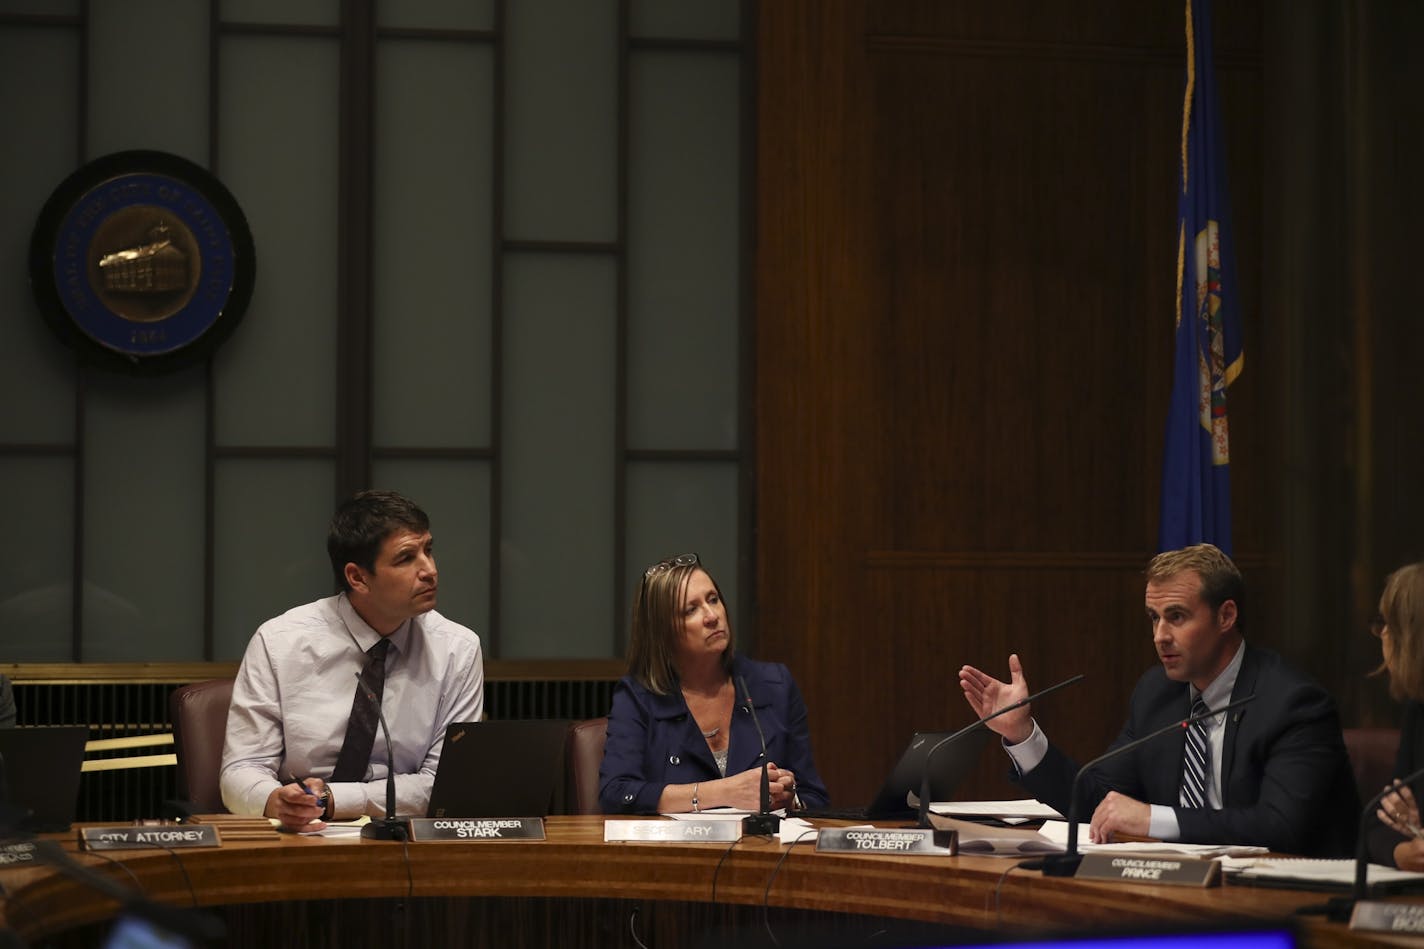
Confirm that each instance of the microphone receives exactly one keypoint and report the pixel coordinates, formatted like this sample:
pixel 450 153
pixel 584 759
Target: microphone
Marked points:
pixel 1066 864
pixel 764 822
pixel 389 828
pixel 925 777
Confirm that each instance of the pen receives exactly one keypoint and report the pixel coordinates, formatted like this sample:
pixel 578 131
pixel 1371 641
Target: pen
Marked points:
pixel 303 785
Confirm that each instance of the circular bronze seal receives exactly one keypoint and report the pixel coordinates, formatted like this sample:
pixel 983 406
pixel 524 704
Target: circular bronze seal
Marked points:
pixel 143 261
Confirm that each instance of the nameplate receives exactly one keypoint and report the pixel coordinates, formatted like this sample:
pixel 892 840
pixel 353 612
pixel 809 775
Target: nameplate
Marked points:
pixel 137 838
pixel 1140 868
pixel 15 854
pixel 672 831
pixel 477 828
pixel 921 841
pixel 1377 916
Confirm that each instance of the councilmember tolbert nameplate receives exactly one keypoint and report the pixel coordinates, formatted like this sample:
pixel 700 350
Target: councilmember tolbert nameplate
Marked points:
pixel 167 837
pixel 477 828
pixel 1142 868
pixel 907 840
pixel 672 831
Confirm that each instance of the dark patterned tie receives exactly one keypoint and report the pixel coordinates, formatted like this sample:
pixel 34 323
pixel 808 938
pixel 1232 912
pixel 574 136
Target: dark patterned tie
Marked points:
pixel 1196 763
pixel 361 729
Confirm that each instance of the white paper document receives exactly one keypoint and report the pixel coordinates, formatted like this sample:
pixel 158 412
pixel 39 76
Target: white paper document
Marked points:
pixel 986 840
pixel 1026 809
pixel 1058 831
pixel 1309 870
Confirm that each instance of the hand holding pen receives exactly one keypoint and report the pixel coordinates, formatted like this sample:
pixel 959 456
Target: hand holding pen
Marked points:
pixel 296 806
pixel 1400 812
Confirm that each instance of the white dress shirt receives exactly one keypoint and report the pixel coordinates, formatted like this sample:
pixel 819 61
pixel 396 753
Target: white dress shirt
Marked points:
pixel 292 701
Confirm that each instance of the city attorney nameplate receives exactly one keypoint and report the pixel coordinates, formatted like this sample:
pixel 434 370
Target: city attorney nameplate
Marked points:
pixel 168 837
pixel 477 828
pixel 1141 868
pixel 907 841
pixel 671 831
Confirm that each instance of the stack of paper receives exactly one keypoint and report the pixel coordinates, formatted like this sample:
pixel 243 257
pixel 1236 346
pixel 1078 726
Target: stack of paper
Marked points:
pixel 1313 871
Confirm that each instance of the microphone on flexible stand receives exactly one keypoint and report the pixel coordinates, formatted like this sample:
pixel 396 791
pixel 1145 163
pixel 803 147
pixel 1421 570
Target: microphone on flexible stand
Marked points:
pixel 1066 864
pixel 389 827
pixel 763 822
pixel 1338 908
pixel 925 791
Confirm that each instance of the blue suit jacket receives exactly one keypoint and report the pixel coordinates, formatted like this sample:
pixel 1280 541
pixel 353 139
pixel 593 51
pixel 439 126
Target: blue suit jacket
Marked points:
pixel 653 741
pixel 1286 781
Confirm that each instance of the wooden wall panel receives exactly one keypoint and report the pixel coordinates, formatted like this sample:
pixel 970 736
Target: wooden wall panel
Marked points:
pixel 965 279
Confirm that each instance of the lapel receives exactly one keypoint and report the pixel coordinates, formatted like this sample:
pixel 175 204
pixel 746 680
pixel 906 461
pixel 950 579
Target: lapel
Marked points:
pixel 684 737
pixel 1245 685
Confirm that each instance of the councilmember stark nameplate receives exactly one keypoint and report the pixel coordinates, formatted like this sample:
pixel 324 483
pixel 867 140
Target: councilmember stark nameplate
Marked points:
pixel 139 838
pixel 477 828
pixel 672 831
pixel 909 840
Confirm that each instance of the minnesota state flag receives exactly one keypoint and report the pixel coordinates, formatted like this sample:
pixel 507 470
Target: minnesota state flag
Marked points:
pixel 1196 486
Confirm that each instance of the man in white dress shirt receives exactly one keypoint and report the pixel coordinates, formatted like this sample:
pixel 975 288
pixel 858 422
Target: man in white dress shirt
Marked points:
pixel 296 705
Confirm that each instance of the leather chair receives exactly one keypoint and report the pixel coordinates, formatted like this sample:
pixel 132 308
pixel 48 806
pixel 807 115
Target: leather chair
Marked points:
pixel 199 715
pixel 584 751
pixel 1372 752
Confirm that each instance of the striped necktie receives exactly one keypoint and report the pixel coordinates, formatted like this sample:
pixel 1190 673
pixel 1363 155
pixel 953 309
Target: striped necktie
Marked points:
pixel 1196 760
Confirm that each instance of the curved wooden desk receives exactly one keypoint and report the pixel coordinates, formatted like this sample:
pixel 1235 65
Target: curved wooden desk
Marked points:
pixel 575 864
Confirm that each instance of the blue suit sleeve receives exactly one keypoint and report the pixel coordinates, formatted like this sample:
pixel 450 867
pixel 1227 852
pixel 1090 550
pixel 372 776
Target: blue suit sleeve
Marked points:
pixel 809 786
pixel 624 783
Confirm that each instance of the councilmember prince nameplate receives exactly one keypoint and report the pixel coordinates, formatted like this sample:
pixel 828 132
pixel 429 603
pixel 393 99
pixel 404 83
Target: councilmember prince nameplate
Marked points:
pixel 142 261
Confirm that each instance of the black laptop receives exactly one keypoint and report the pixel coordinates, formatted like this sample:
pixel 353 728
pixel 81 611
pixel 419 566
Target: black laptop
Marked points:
pixel 40 774
pixel 948 769
pixel 500 769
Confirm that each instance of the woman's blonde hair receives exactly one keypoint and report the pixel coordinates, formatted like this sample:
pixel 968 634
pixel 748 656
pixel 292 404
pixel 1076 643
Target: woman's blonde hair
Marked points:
pixel 1402 607
pixel 657 623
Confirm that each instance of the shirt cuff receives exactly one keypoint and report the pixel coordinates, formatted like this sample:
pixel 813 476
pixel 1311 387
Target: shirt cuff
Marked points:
pixel 348 800
pixel 1163 823
pixel 1028 753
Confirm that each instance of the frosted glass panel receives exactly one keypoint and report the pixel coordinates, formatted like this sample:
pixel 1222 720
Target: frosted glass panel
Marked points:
pixel 437 14
pixel 683 247
pixel 143 518
pixel 269 544
pixel 310 12
pixel 432 245
pixel 456 495
pixel 36 567
pixel 557 485
pixel 47 7
pixel 148 77
pixel 36 374
pixel 685 19
pixel 681 507
pixel 561 120
pixel 275 378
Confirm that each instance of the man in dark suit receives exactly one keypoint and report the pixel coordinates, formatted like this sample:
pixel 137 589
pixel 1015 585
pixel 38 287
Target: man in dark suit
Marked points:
pixel 1273 773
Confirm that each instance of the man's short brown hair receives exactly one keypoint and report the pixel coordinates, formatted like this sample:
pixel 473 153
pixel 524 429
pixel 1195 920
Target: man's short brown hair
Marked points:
pixel 1220 579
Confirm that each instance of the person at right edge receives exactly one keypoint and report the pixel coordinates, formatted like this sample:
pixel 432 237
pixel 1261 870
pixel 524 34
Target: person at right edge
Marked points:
pixel 1394 837
pixel 1276 773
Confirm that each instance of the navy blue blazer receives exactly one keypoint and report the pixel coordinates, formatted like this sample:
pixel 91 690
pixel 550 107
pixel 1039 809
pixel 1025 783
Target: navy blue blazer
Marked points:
pixel 653 740
pixel 1286 781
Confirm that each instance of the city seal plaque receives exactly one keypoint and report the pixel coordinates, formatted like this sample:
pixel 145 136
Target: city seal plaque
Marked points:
pixel 142 261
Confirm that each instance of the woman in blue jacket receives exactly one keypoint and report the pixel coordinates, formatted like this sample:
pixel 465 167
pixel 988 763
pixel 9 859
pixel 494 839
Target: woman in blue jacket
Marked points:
pixel 680 734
